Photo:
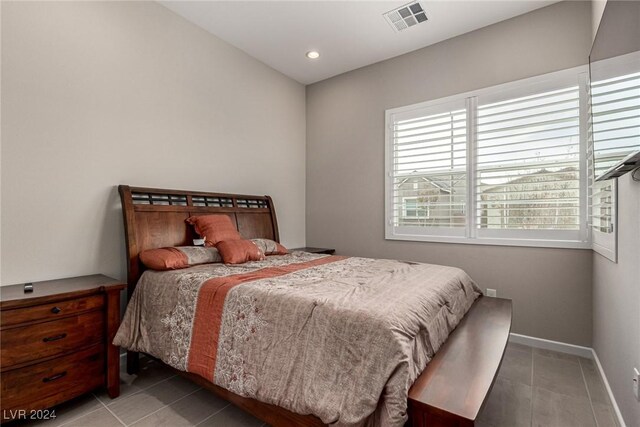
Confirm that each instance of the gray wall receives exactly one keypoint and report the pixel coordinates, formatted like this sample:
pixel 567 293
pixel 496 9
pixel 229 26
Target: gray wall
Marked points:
pixel 616 303
pixel 616 294
pixel 550 288
pixel 96 94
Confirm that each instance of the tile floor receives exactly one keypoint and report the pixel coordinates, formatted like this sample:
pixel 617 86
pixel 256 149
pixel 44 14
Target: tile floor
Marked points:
pixel 542 388
pixel 535 387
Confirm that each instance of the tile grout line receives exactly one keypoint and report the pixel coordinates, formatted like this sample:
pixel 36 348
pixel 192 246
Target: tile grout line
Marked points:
pixel 91 412
pixel 104 405
pixel 112 413
pixel 95 396
pixel 80 416
pixel 215 413
pixel 108 410
pixel 584 379
pixel 168 404
pixel 136 392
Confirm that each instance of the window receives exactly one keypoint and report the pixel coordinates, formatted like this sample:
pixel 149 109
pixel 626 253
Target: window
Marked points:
pixel 413 209
pixel 615 130
pixel 616 119
pixel 614 133
pixel 528 166
pixel 429 172
pixel 504 165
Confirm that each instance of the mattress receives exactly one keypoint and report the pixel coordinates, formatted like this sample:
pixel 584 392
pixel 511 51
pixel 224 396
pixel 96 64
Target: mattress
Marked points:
pixel 341 338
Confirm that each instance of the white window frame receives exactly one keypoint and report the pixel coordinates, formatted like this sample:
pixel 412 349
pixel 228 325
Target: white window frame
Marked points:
pixel 404 206
pixel 470 234
pixel 408 113
pixel 426 209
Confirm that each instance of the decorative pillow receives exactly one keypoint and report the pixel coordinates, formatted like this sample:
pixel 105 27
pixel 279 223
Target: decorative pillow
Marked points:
pixel 178 257
pixel 214 228
pixel 270 247
pixel 239 251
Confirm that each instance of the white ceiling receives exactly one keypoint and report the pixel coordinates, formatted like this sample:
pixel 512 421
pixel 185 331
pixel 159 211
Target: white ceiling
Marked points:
pixel 348 34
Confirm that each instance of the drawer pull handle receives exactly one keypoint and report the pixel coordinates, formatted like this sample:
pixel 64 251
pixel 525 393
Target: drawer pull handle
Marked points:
pixel 56 310
pixel 54 338
pixel 54 377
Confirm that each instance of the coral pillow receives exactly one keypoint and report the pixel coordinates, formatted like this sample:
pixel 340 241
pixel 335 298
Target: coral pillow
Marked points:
pixel 270 247
pixel 178 257
pixel 239 251
pixel 214 228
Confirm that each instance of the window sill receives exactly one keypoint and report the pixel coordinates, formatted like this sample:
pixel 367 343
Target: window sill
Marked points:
pixel 606 252
pixel 564 244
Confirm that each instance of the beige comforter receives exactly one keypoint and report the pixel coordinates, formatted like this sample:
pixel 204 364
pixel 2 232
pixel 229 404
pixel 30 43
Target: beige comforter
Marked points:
pixel 340 338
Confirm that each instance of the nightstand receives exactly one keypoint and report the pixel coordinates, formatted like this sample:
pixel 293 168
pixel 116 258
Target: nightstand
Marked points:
pixel 56 342
pixel 327 251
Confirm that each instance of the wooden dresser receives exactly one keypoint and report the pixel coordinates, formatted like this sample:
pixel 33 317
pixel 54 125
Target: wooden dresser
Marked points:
pixel 55 342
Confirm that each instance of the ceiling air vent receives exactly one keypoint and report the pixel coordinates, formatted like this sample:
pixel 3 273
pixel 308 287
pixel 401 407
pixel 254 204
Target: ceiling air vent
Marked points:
pixel 406 16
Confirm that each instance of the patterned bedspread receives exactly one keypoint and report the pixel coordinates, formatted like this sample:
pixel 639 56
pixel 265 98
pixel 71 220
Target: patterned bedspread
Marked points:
pixel 340 338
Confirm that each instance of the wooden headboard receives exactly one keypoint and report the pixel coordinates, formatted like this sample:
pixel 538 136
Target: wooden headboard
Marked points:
pixel 154 218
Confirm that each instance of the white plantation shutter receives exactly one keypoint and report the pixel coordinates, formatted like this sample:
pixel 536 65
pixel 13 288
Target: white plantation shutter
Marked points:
pixel 603 218
pixel 428 171
pixel 615 107
pixel 615 132
pixel 528 165
pixel 602 206
pixel 502 165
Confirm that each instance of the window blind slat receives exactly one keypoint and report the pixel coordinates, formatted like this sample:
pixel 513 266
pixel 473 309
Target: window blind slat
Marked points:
pixel 532 100
pixel 614 81
pixel 600 120
pixel 488 146
pixel 401 146
pixel 458 121
pixel 528 108
pixel 517 151
pixel 460 131
pixel 545 124
pixel 597 105
pixel 503 120
pixel 602 93
pixel 457 153
pixel 528 133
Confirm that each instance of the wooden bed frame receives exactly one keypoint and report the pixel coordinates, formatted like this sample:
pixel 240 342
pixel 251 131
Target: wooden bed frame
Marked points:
pixel 450 391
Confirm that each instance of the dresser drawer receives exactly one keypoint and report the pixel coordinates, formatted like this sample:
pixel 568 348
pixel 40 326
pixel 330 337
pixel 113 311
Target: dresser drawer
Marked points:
pixel 70 375
pixel 27 343
pixel 50 311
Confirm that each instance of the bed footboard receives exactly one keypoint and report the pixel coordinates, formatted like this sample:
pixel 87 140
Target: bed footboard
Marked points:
pixel 455 385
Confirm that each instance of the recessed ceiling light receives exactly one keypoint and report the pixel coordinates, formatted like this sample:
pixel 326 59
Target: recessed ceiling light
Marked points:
pixel 312 54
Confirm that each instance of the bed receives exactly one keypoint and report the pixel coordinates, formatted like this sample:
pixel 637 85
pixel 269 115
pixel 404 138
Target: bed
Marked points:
pixel 303 339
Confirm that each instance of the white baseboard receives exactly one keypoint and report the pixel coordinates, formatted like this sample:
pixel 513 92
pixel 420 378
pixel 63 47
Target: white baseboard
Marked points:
pixel 561 347
pixel 608 387
pixel 576 350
